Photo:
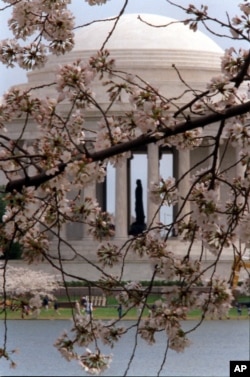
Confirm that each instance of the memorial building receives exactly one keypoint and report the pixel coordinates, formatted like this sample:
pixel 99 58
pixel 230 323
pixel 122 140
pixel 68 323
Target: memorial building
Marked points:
pixel 149 52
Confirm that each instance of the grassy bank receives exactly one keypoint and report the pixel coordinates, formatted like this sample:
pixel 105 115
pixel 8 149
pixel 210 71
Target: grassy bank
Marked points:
pixel 107 313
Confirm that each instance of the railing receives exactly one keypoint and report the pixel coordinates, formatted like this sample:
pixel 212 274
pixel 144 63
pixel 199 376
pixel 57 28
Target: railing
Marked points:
pixel 97 301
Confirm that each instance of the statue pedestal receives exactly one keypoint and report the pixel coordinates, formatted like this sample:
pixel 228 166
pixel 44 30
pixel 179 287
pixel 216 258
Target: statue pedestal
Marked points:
pixel 136 228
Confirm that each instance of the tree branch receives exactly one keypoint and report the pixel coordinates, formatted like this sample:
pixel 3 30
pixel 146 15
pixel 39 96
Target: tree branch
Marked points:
pixel 146 139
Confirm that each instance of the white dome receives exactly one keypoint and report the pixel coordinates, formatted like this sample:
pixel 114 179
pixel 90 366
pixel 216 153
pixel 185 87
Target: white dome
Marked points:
pixel 139 49
pixel 133 34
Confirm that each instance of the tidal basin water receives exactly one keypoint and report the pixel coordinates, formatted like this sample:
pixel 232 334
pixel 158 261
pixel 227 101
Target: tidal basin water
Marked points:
pixel 214 344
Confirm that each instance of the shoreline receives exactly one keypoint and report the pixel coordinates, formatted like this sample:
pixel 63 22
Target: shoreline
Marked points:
pixel 65 318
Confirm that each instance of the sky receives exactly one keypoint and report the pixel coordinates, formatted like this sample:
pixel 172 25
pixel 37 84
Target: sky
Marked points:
pixel 84 14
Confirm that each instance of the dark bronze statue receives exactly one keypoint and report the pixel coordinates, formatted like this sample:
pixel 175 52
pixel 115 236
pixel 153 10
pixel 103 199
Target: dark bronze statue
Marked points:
pixel 139 225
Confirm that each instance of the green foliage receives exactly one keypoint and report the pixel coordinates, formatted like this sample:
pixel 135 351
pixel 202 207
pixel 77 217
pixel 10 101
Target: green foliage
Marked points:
pixel 14 251
pixel 77 283
pixel 144 283
pixel 160 283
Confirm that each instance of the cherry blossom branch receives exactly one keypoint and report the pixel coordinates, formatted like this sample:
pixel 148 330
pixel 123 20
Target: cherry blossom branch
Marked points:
pixel 191 124
pixel 243 72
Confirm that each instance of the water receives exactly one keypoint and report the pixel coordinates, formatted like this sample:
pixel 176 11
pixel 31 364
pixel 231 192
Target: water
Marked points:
pixel 214 344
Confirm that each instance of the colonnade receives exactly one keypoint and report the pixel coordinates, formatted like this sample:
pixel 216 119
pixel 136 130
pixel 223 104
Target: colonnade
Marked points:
pixel 122 216
pixel 182 161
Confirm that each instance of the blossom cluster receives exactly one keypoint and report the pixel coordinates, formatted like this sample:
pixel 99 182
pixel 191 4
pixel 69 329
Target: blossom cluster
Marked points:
pixel 186 140
pixel 102 227
pixel 164 192
pixel 73 82
pixel 112 130
pixel 176 301
pixel 238 132
pixel 151 112
pixel 167 319
pixel 109 254
pixel 218 299
pixel 96 2
pixel 232 61
pixel 200 14
pixel 28 285
pixel 132 295
pixel 51 24
pixel 240 24
pixel 94 362
pixel 208 219
pixel 83 332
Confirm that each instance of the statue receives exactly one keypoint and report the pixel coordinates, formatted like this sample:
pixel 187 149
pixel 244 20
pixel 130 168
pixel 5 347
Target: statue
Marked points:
pixel 139 225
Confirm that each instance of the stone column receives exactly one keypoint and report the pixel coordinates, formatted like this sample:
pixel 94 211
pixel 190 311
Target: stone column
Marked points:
pixel 184 185
pixel 239 173
pixel 121 200
pixel 211 160
pixel 153 176
pixel 90 192
pixel 239 167
pixel 74 229
pixel 63 231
